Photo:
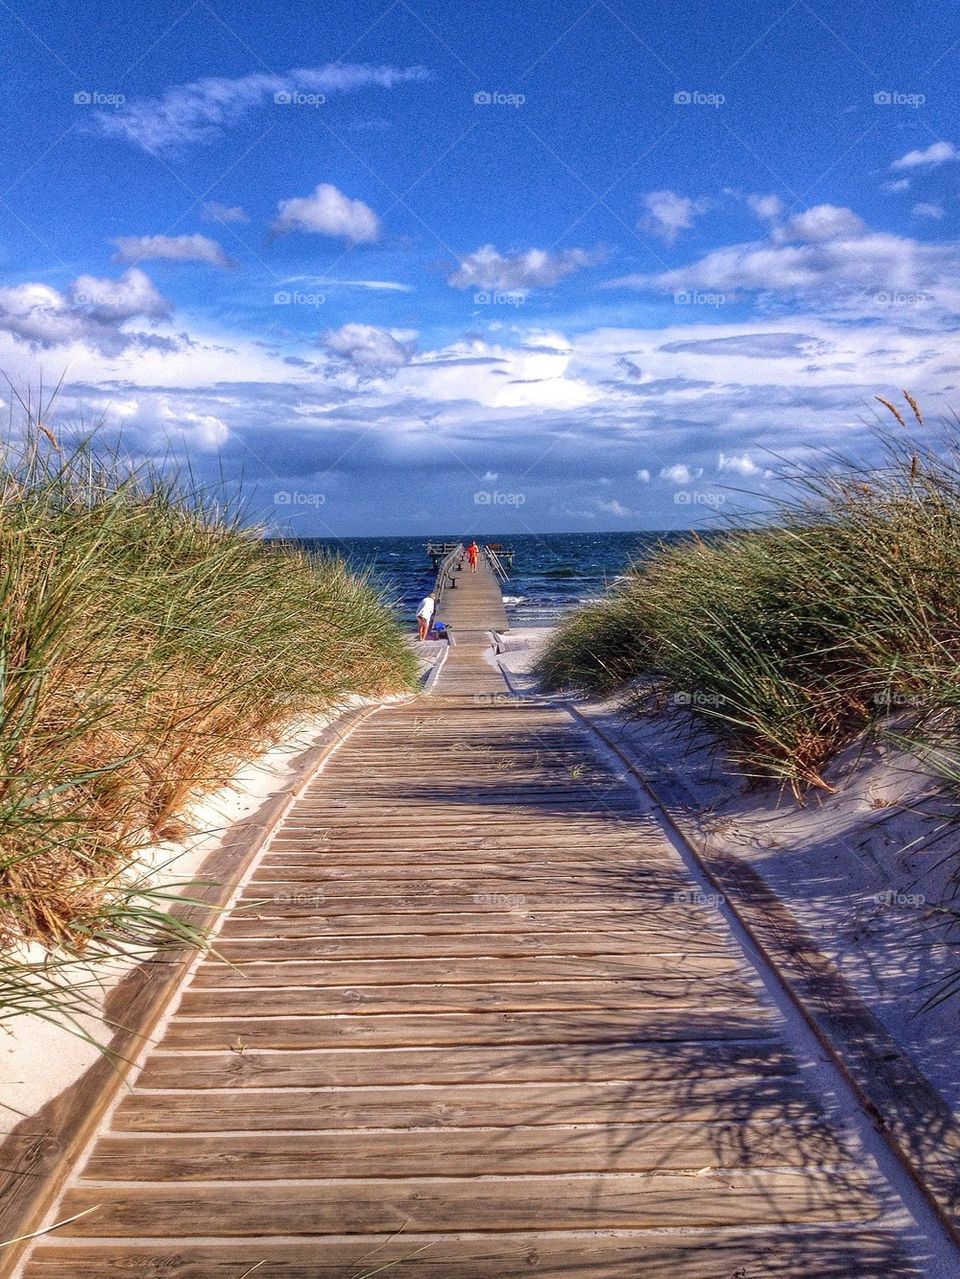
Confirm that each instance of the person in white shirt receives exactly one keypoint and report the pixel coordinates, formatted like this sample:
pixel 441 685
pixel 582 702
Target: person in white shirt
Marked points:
pixel 425 616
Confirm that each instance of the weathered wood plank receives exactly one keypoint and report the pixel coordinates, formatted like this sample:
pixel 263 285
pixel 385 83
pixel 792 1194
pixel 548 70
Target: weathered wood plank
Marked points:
pixel 323 1068
pixel 257 943
pixel 336 1206
pixel 483 996
pixel 675 926
pixel 476 1151
pixel 467 1105
pixel 424 1030
pixel 783 1253
pixel 378 972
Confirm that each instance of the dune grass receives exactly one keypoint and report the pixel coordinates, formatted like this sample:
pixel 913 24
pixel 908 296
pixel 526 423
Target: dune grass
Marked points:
pixel 149 644
pixel 794 636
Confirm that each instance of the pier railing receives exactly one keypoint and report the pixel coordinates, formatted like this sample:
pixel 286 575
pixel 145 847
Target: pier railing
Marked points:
pixel 446 573
pixel 496 564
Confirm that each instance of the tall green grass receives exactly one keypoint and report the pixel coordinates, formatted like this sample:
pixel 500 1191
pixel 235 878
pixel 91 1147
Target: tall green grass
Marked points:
pixel 794 636
pixel 149 644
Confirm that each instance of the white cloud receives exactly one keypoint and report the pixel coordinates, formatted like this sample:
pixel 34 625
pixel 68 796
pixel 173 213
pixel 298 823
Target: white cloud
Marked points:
pixel 828 252
pixel 200 111
pixel 328 212
pixel 669 213
pixel 613 507
pixel 170 248
pixel 935 153
pixel 643 476
pixel 131 295
pixel 165 419
pixel 372 352
pixel 822 222
pixel 93 314
pixel 322 281
pixel 898 185
pixel 927 210
pixel 680 473
pixel 550 414
pixel 223 213
pixel 490 476
pixel 486 268
pixel 767 207
pixel 742 464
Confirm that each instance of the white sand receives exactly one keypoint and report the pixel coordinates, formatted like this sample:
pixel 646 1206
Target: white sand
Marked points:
pixel 857 869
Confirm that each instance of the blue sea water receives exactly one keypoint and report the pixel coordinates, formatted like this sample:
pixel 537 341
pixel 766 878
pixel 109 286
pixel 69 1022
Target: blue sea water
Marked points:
pixel 552 573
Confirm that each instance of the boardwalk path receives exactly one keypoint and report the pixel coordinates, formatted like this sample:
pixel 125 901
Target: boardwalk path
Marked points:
pixel 473 1003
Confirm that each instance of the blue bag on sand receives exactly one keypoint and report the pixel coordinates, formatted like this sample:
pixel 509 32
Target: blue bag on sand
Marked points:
pixel 440 628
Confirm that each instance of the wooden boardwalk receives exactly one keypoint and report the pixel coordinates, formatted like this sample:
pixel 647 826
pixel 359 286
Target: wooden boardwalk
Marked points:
pixel 475 1022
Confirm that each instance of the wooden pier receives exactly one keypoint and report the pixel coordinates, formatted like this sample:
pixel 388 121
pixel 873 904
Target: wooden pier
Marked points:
pixel 470 603
pixel 477 1022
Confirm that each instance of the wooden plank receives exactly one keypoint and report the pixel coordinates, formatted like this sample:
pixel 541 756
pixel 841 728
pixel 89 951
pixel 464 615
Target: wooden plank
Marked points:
pixel 675 926
pixel 463 1106
pixel 424 1030
pixel 589 893
pixel 323 1068
pixel 327 942
pixel 336 1206
pixel 521 996
pixel 378 972
pixel 784 1253
pixel 601 886
pixel 304 863
pixel 477 1151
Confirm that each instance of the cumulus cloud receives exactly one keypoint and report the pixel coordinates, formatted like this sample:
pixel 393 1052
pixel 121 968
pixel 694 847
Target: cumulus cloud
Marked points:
pixel 552 414
pixel 767 207
pixel 613 507
pixel 897 185
pixel 936 153
pixel 372 352
pixel 486 268
pixel 223 213
pixel 200 111
pixel 680 473
pixel 170 248
pixel 927 210
pixel 643 476
pixel 742 464
pixel 164 420
pixel 667 214
pixel 826 251
pixel 131 295
pixel 328 212
pixel 93 314
pixel 822 222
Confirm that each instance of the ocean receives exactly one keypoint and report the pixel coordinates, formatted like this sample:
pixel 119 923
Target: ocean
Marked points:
pixel 552 573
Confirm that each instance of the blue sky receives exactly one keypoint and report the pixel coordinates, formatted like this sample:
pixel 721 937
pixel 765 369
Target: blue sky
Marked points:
pixel 410 267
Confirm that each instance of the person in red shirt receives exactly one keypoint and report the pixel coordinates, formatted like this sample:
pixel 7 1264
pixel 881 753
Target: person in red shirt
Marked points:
pixel 472 552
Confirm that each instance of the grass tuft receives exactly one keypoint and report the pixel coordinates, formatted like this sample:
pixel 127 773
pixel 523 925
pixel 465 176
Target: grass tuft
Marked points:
pixel 150 643
pixel 793 637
